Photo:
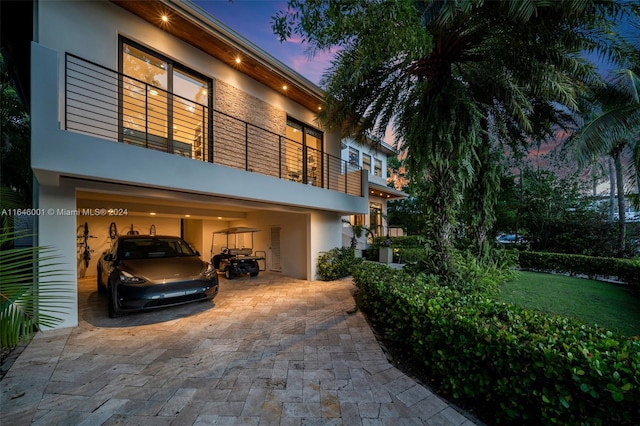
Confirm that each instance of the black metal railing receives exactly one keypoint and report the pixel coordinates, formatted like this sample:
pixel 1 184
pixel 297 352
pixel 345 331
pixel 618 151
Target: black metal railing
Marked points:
pixel 107 104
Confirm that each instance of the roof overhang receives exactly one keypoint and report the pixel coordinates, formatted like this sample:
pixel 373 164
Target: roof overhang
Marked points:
pixel 386 192
pixel 195 26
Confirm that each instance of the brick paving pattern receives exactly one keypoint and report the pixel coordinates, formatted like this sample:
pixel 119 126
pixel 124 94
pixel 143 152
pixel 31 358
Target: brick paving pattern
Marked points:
pixel 271 350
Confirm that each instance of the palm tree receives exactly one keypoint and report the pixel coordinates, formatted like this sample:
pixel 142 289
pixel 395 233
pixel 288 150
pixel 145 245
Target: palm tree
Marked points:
pixel 15 170
pixel 614 131
pixel 444 73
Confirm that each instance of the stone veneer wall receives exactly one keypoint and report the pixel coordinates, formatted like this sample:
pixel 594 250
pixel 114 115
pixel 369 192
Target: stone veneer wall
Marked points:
pixel 229 146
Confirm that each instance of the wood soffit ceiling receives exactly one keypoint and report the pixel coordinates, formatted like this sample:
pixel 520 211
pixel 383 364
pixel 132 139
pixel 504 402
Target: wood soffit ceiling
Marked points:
pixel 215 43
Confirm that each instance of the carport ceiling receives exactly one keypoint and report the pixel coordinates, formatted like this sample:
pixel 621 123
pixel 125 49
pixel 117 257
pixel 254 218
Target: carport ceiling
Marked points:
pixel 136 205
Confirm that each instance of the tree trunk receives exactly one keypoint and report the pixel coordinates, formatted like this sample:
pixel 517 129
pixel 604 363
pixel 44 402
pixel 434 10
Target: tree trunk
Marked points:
pixel 622 225
pixel 612 189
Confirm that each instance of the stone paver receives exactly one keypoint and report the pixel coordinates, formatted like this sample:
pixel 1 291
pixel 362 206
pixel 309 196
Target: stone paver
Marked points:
pixel 271 350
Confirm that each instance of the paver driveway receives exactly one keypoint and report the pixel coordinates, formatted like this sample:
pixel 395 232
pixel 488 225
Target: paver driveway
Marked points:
pixel 271 351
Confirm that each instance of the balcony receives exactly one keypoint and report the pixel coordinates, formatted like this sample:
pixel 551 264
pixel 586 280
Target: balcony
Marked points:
pixel 106 104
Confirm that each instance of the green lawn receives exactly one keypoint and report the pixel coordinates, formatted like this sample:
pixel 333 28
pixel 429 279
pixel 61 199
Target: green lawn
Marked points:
pixel 610 306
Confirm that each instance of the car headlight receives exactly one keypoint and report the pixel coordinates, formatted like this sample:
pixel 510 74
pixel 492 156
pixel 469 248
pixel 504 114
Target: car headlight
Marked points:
pixel 210 271
pixel 127 278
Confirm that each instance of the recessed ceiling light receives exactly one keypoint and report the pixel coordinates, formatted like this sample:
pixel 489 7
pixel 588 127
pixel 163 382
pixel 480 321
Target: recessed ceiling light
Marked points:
pixel 187 215
pixel 219 217
pixel 238 60
pixel 165 18
pixel 284 87
pixel 152 213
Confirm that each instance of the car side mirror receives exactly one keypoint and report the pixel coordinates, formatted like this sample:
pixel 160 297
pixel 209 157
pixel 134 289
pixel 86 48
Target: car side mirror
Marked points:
pixel 108 257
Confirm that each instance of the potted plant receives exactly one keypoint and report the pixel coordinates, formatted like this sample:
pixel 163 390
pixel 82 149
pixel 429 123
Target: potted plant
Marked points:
pixel 386 251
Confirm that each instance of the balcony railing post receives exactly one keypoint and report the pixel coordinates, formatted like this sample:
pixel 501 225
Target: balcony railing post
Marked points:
pixel 66 88
pixel 346 179
pixel 280 156
pixel 246 146
pixel 305 165
pixel 146 115
pixel 203 154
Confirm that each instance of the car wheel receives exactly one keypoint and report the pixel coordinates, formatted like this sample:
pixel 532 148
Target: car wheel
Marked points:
pixel 113 310
pixel 228 273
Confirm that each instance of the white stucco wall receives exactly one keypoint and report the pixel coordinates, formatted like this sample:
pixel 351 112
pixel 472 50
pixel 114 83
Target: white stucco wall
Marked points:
pixel 58 231
pixel 374 153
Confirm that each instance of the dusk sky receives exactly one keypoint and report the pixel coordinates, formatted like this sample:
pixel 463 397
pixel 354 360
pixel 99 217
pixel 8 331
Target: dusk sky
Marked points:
pixel 252 19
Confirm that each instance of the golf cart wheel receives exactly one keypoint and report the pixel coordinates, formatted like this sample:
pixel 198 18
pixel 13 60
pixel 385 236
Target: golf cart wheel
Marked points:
pixel 228 273
pixel 253 274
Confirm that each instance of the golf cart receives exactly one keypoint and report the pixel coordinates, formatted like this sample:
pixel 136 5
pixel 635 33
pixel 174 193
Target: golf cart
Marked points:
pixel 234 258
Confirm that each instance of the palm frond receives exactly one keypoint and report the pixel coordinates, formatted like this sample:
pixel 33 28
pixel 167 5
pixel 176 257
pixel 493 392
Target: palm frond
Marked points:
pixel 33 293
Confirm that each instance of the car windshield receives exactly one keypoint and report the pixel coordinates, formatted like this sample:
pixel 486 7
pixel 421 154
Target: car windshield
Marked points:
pixel 151 248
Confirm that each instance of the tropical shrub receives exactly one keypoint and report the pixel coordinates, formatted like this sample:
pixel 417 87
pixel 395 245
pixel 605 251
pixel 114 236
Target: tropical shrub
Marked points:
pixel 512 365
pixel 469 273
pixel 625 270
pixel 336 263
pixel 27 302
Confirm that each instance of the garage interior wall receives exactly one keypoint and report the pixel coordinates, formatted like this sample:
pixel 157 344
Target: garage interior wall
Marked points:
pixel 99 228
pixel 294 247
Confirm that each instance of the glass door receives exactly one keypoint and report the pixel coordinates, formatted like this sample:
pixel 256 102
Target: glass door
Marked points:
pixel 313 144
pixel 303 156
pixel 144 100
pixel 189 115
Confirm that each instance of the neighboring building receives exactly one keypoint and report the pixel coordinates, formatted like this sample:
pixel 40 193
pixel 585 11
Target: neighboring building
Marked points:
pixel 372 158
pixel 154 114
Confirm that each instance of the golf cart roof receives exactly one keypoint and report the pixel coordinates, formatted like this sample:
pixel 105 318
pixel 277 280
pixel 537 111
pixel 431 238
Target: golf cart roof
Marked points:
pixel 237 230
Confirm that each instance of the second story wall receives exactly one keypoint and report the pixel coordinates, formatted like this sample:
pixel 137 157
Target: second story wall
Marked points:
pixel 91 30
pixel 242 112
pixel 367 157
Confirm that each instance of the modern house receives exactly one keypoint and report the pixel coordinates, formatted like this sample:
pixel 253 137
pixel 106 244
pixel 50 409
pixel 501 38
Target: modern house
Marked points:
pixel 372 159
pixel 152 116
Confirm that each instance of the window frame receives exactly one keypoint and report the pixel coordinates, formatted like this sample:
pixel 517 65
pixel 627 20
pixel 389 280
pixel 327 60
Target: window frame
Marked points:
pixel 354 157
pixel 171 66
pixel 366 165
pixel 310 174
pixel 377 171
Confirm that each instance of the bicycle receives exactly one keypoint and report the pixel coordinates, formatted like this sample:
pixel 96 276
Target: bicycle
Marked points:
pixel 132 231
pixel 86 253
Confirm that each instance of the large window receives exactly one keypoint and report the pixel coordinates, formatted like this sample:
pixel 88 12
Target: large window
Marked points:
pixel 303 153
pixel 163 105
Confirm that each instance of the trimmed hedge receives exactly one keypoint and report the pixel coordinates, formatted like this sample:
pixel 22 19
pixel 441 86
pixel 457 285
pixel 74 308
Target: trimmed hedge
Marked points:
pixel 510 364
pixel 625 270
pixel 407 249
pixel 336 263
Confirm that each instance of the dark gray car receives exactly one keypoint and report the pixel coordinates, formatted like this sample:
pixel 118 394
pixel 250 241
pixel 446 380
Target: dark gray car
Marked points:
pixel 143 272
